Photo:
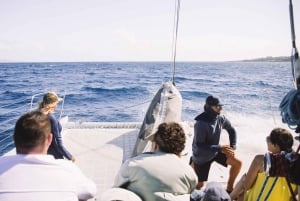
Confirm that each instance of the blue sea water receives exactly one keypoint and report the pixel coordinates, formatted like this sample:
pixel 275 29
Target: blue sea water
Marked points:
pixel 122 91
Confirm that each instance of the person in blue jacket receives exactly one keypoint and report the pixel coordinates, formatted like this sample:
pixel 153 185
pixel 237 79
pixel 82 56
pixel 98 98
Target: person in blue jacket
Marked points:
pixel 206 143
pixel 47 106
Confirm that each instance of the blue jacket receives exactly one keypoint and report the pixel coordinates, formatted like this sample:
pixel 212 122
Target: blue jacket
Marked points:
pixel 207 131
pixel 57 148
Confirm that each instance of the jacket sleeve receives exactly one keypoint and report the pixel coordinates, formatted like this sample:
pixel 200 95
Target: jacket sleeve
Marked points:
pixel 56 132
pixel 231 132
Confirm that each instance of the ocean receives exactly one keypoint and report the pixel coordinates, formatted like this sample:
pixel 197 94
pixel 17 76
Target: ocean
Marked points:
pixel 122 91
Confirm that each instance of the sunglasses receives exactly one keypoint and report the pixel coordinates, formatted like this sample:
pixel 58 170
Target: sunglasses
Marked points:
pixel 218 107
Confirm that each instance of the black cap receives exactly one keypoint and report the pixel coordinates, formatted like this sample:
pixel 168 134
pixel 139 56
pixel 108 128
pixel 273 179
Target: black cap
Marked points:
pixel 213 101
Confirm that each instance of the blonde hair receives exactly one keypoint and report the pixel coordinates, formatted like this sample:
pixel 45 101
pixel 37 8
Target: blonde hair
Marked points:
pixel 50 99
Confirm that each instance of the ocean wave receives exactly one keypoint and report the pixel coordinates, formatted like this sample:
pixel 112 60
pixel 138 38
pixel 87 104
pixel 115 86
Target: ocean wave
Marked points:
pixel 191 95
pixel 105 86
pixel 192 79
pixel 116 91
pixel 13 96
pixel 122 91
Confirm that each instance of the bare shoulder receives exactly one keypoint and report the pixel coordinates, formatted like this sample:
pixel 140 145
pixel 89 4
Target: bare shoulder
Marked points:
pixel 258 160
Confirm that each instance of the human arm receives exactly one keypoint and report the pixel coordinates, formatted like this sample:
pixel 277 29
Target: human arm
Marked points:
pixel 86 188
pixel 248 179
pixel 57 137
pixel 227 150
pixel 255 167
pixel 231 132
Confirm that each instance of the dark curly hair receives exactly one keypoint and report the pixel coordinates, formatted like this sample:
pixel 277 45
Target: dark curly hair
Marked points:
pixel 283 138
pixel 170 138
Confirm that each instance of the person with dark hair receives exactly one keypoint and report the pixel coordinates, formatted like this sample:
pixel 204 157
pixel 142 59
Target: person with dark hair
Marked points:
pixel 206 143
pixel 31 174
pixel 48 106
pixel 161 174
pixel 267 177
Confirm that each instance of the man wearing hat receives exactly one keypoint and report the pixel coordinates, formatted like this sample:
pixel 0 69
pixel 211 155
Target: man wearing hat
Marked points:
pixel 206 147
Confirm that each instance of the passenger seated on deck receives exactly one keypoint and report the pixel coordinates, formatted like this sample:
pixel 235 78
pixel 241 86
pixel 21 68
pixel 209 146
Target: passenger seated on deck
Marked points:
pixel 31 174
pixel 47 106
pixel 161 174
pixel 256 184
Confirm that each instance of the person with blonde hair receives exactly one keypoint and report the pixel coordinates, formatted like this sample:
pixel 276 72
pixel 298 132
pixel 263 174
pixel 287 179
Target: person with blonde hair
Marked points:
pixel 47 106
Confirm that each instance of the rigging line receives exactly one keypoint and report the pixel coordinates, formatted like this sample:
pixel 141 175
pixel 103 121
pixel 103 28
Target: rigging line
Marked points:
pixel 295 56
pixel 175 33
pixel 292 24
pixel 147 101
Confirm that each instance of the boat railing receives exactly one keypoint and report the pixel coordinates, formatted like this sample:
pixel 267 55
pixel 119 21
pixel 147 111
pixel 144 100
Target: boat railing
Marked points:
pixel 101 125
pixel 9 114
pixel 35 101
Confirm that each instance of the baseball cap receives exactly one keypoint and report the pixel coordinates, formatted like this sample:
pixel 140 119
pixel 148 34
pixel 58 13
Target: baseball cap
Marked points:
pixel 213 101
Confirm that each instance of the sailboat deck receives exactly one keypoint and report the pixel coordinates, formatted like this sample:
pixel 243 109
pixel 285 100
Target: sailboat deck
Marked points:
pixel 100 152
pixel 101 148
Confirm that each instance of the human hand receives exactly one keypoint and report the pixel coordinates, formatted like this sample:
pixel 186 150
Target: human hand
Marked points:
pixel 227 150
pixel 73 159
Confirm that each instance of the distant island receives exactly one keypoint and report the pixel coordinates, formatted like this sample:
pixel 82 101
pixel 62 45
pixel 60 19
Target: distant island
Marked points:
pixel 269 59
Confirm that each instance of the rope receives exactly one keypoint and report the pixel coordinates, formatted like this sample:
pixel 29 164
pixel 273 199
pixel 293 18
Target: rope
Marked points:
pixel 290 108
pixel 292 24
pixel 175 33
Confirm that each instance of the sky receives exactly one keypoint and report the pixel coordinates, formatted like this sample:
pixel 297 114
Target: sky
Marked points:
pixel 142 30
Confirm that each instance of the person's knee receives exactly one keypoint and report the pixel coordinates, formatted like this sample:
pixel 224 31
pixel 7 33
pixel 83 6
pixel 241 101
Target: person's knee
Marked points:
pixel 238 163
pixel 200 185
pixel 235 163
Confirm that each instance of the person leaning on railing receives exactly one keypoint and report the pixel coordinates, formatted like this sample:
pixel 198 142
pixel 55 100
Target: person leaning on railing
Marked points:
pixel 57 148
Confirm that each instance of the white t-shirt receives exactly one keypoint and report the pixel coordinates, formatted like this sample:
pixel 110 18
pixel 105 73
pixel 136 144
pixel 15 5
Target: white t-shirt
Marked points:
pixel 42 178
pixel 158 175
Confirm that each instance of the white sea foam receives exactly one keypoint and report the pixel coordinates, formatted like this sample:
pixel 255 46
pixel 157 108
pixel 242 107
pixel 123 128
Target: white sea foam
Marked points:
pixel 252 131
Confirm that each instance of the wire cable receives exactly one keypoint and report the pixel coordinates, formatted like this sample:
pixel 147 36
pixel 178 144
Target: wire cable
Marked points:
pixel 295 63
pixel 174 42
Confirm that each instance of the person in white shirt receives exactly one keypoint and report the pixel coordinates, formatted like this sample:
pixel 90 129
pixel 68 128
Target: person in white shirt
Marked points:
pixel 33 175
pixel 161 174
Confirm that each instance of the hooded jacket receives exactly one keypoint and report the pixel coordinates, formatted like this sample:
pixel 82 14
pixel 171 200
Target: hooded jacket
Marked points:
pixel 207 131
